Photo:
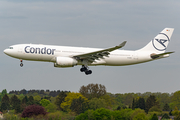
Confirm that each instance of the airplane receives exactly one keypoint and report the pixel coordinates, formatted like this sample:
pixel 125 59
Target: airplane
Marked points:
pixel 66 56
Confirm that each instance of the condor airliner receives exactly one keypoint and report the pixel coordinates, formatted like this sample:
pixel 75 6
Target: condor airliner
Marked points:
pixel 64 56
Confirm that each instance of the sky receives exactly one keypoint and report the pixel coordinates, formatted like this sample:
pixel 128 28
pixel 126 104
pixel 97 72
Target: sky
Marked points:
pixel 89 23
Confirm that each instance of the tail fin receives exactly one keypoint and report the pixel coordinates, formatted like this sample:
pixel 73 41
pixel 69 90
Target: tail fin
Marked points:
pixel 160 42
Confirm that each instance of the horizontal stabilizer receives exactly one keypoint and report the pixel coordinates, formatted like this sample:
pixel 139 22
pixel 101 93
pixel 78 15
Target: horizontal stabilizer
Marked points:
pixel 155 56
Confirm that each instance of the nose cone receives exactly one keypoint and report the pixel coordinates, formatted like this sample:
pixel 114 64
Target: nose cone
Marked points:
pixel 5 51
pixel 8 52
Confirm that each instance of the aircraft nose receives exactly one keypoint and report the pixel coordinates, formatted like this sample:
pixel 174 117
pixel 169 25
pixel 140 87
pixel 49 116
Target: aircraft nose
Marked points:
pixel 5 51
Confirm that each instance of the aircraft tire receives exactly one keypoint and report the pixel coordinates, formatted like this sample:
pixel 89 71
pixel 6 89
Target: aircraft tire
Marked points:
pixel 21 64
pixel 88 72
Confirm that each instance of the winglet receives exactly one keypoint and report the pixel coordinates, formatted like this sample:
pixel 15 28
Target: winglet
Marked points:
pixel 123 44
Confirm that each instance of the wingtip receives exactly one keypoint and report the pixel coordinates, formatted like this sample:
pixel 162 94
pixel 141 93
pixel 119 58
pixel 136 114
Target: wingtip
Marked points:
pixel 123 43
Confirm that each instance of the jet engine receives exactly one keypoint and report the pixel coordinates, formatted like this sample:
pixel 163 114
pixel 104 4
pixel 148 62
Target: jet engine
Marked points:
pixel 65 62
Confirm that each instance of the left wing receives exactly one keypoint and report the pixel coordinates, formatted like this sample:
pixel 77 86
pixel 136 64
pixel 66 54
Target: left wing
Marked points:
pixel 92 56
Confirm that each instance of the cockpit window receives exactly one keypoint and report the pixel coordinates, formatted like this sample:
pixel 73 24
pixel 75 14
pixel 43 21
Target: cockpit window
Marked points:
pixel 10 47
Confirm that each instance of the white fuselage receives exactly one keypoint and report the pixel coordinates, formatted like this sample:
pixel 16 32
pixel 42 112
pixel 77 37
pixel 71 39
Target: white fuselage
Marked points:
pixel 48 53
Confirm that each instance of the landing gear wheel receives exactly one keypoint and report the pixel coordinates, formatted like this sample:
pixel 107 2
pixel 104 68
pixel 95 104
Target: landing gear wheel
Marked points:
pixel 21 64
pixel 83 69
pixel 88 72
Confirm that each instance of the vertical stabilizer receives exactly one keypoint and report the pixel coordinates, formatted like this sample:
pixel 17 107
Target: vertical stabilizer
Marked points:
pixel 160 42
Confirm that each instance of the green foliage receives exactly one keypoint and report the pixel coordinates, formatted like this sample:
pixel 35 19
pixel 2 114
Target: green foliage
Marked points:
pixel 175 99
pixel 165 116
pixel 96 103
pixel 175 112
pixel 177 117
pixel 138 103
pixel 150 102
pixel 31 100
pixel 154 117
pixel 166 107
pixel 25 100
pixel 5 103
pixel 51 108
pixel 138 114
pixel 105 114
pixel 68 100
pixel 37 98
pixel 4 92
pixel 16 104
pixel 108 99
pixel 79 105
pixel 93 90
pixel 155 109
pixel 59 99
pixel 44 102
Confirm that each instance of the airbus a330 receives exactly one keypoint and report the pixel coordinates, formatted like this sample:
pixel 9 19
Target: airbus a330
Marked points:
pixel 65 56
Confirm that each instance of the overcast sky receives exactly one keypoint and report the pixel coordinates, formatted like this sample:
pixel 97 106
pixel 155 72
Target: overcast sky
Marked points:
pixel 89 23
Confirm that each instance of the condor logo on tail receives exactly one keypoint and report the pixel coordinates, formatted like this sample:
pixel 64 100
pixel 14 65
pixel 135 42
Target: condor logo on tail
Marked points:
pixel 161 42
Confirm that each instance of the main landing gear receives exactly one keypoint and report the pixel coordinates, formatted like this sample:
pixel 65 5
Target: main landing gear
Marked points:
pixel 21 64
pixel 86 70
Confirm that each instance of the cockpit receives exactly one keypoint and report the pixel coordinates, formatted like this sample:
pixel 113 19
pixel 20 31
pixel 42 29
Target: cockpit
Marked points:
pixel 10 48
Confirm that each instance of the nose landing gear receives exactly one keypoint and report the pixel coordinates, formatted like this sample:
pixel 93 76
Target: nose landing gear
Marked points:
pixel 86 70
pixel 21 64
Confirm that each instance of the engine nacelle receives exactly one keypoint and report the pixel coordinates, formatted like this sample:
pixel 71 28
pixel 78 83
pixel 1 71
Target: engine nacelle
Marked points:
pixel 65 62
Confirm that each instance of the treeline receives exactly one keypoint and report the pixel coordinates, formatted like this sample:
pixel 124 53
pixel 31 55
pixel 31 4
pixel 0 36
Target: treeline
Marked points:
pixel 34 92
pixel 91 102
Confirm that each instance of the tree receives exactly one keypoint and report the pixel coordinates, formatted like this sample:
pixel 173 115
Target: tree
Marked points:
pixel 5 103
pixel 138 114
pixel 33 110
pixel 102 114
pixel 150 102
pixel 79 105
pixel 133 104
pixel 44 102
pixel 177 117
pixel 175 112
pixel 4 92
pixel 108 99
pixel 154 117
pixel 51 108
pixel 96 103
pixel 15 103
pixel 166 107
pixel 175 99
pixel 155 109
pixel 93 90
pixel 141 103
pixel 138 103
pixel 165 117
pixel 31 100
pixel 60 98
pixel 68 100
pixel 25 100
